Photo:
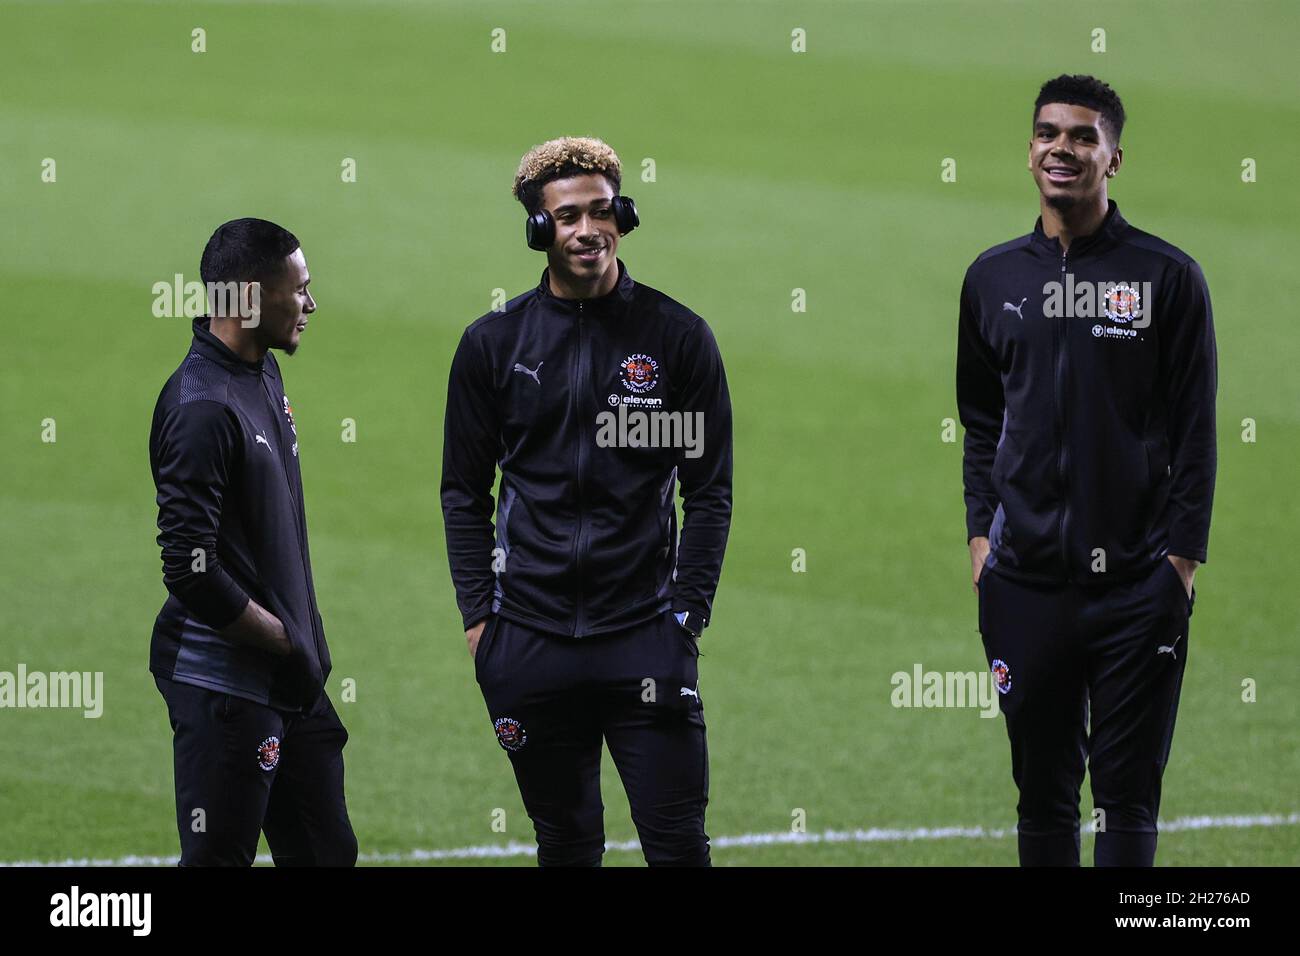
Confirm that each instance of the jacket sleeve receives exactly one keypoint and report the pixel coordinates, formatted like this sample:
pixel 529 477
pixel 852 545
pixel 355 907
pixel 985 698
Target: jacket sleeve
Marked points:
pixel 471 439
pixel 1190 362
pixel 196 449
pixel 705 477
pixel 981 405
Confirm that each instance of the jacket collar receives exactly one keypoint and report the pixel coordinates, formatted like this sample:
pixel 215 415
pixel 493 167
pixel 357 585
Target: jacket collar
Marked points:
pixel 616 299
pixel 1110 229
pixel 211 347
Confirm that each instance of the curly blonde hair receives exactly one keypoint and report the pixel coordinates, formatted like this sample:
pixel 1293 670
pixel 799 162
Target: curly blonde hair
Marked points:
pixel 559 159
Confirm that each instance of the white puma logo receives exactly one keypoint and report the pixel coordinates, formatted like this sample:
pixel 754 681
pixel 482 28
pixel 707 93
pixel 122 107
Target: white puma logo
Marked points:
pixel 530 371
pixel 687 692
pixel 1169 648
pixel 1008 307
pixel 262 439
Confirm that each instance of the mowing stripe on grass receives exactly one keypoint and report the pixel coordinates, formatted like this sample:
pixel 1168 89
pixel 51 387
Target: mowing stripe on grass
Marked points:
pixel 514 849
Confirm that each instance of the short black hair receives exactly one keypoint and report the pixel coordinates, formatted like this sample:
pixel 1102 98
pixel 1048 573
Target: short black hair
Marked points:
pixel 1079 89
pixel 246 250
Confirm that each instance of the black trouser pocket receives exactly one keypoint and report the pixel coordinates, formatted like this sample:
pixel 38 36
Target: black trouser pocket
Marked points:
pixel 484 643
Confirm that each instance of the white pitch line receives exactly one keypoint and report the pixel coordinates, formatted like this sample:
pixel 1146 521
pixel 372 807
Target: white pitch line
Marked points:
pixel 514 849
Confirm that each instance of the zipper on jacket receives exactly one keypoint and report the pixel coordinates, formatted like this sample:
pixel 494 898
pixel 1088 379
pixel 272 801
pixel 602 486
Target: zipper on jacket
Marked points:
pixel 1060 336
pixel 302 537
pixel 579 389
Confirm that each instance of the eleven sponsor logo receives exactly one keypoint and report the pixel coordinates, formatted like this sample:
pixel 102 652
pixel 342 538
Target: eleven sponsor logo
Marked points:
pixel 1111 332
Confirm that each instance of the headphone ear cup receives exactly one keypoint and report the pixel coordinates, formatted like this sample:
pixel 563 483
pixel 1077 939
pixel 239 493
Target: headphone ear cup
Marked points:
pixel 539 230
pixel 625 214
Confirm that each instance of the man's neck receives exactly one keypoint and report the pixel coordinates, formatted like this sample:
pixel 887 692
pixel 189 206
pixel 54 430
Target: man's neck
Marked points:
pixel 568 287
pixel 1082 219
pixel 235 338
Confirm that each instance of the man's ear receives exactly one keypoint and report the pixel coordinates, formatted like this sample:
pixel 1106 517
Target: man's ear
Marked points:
pixel 1116 160
pixel 250 304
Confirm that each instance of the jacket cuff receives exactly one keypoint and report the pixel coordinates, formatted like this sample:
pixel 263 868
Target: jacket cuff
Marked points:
pixel 478 614
pixel 696 612
pixel 216 602
pixel 1192 554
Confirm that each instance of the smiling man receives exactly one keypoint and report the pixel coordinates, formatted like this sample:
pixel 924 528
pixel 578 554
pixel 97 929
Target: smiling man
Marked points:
pixel 238 649
pixel 582 608
pixel 1086 379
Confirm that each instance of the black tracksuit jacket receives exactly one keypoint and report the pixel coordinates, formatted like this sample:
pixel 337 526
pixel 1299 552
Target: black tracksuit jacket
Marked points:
pixel 224 454
pixel 586 536
pixel 1090 440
